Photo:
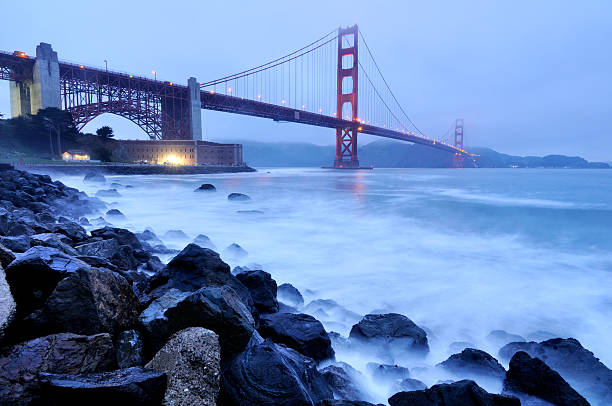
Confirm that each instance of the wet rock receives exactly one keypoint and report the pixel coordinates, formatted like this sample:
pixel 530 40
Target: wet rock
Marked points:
pixel 533 377
pixel 16 244
pixel 328 310
pixel 301 332
pixel 288 294
pixel 249 211
pixel 283 308
pixel 458 346
pixel 392 334
pixel 34 274
pixel 87 302
pixel 541 336
pixel 7 304
pixel 72 230
pixel 19 229
pixel 577 365
pixel 464 393
pixel 176 235
pixel 407 385
pixel 386 373
pixel 54 240
pixel 238 197
pixel 473 364
pixel 4 220
pixel 191 360
pixel 215 308
pixel 98 262
pixel 120 256
pixel 6 256
pixel 108 193
pixel 115 214
pixel 206 187
pixel 123 237
pixel 235 251
pixel 248 379
pixel 345 382
pixel 262 288
pixel 21 364
pixel 338 341
pixel 203 241
pixel 92 177
pixel 116 185
pixel 500 338
pixel 149 237
pixel 128 345
pixel 130 386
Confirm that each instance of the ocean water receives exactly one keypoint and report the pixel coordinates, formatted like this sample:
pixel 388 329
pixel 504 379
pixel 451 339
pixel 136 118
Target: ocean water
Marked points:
pixel 460 252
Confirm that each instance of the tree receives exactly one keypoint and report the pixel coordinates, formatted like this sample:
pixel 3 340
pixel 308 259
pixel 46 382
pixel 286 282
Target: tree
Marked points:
pixel 105 132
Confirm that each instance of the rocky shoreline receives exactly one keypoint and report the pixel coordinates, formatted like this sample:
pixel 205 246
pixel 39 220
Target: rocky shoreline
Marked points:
pixel 133 169
pixel 90 315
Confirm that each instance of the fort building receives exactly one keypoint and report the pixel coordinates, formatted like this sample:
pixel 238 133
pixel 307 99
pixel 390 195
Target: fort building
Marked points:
pixel 183 152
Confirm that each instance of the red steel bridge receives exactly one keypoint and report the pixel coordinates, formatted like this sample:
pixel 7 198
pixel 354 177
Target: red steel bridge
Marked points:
pixel 327 83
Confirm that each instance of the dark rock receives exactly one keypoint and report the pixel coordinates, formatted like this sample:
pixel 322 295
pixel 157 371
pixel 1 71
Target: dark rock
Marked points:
pixel 94 177
pixel 464 393
pixel 336 402
pixel 387 373
pixel 34 274
pixel 16 244
pixel 392 334
pixel 19 229
pixel 408 385
pixel 21 364
pixel 249 211
pixel 87 302
pixel 120 256
pixel 128 345
pixel 270 374
pixel 149 237
pixel 97 262
pixel 577 365
pixel 215 308
pixel 191 360
pixel 238 197
pixel 473 364
pixel 123 237
pixel 288 294
pixel 116 185
pixel 301 332
pixel 108 193
pixel 4 220
pixel 129 186
pixel 206 187
pixel 500 338
pixel 533 377
pixel 541 336
pixel 176 235
pixel 6 256
pixel 54 240
pixel 130 386
pixel 235 251
pixel 115 214
pixel 262 288
pixel 72 230
pixel 7 304
pixel 344 381
pixel 203 241
pixel 283 308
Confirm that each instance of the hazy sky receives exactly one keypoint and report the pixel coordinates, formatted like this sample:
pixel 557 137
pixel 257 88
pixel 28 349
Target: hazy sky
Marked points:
pixel 528 77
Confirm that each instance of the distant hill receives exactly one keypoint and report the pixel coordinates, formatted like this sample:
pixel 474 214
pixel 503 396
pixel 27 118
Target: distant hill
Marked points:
pixel 394 154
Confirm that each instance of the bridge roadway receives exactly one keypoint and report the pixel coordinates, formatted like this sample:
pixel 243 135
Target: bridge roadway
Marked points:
pixel 16 67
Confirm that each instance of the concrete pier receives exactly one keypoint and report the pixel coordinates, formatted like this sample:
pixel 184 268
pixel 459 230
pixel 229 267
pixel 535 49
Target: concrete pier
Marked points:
pixel 195 109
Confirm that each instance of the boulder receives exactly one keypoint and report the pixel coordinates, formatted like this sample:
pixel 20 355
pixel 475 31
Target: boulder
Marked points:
pixel 116 214
pixel 215 308
pixel 7 304
pixel 329 311
pixel 386 373
pixel 94 177
pixel 122 256
pixel 464 393
pixel 130 386
pixel 288 294
pixel 301 332
pixel 108 193
pixel 262 288
pixel 577 365
pixel 238 197
pixel 191 360
pixel 6 256
pixel 206 187
pixel 123 237
pixel 34 274
pixel 345 382
pixel 473 364
pixel 16 244
pixel 21 364
pixel 392 334
pixel 533 377
pixel 72 230
pixel 235 252
pixel 337 402
pixel 54 240
pixel 272 374
pixel 149 236
pixel 499 338
pixel 458 346
pixel 203 241
pixel 4 220
pixel 87 302
pixel 407 385
pixel 176 235
pixel 128 346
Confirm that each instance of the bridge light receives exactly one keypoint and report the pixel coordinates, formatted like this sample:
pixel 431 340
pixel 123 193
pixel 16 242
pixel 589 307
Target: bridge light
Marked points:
pixel 131 76
pixel 81 66
pixel 22 55
pixel 283 101
pixel 170 83
pixel 359 128
pixel 303 106
pixel 259 96
pixel 320 110
pixel 212 92
pixel 229 89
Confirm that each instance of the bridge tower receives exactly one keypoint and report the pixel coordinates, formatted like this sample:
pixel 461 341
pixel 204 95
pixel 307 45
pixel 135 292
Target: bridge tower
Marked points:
pixel 346 93
pixel 458 158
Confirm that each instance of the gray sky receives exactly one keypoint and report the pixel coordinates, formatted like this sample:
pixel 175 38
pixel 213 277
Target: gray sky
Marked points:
pixel 528 77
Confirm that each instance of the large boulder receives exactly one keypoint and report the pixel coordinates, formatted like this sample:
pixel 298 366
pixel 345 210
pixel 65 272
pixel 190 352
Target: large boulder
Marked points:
pixel 71 229
pixel 289 294
pixel 191 360
pixel 382 373
pixel 302 332
pixel 7 304
pixel 130 386
pixel 6 256
pixel 215 308
pixel 474 364
pixel 19 243
pixel 87 302
pixel 195 267
pixel 94 177
pixel 21 364
pixel 533 377
pixel 262 288
pixel 121 256
pixel 272 374
pixel 577 365
pixel 206 187
pixel 34 274
pixel 235 252
pixel 122 236
pixel 129 347
pixel 393 335
pixel 238 197
pixel 54 240
pixel 203 241
pixel 345 382
pixel 464 393
pixel 499 338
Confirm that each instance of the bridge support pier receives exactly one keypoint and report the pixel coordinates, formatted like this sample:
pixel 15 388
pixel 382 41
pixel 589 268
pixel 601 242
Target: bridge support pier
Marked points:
pixel 346 149
pixel 195 109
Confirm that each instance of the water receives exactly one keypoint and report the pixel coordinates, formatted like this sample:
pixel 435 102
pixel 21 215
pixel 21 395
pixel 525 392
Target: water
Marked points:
pixel 460 252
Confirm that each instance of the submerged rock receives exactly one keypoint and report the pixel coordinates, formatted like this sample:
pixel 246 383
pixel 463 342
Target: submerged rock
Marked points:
pixel 235 251
pixel 407 385
pixel 473 364
pixel 108 193
pixel 238 197
pixel 176 235
pixel 500 338
pixel 206 187
pixel 115 214
pixel 345 382
pixel 203 241
pixel 262 288
pixel 288 294
pixel 94 177
pixel 386 373
pixel 191 360
pixel 464 393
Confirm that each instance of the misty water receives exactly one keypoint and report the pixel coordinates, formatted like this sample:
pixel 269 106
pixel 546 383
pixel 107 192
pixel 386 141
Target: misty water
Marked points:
pixel 460 252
